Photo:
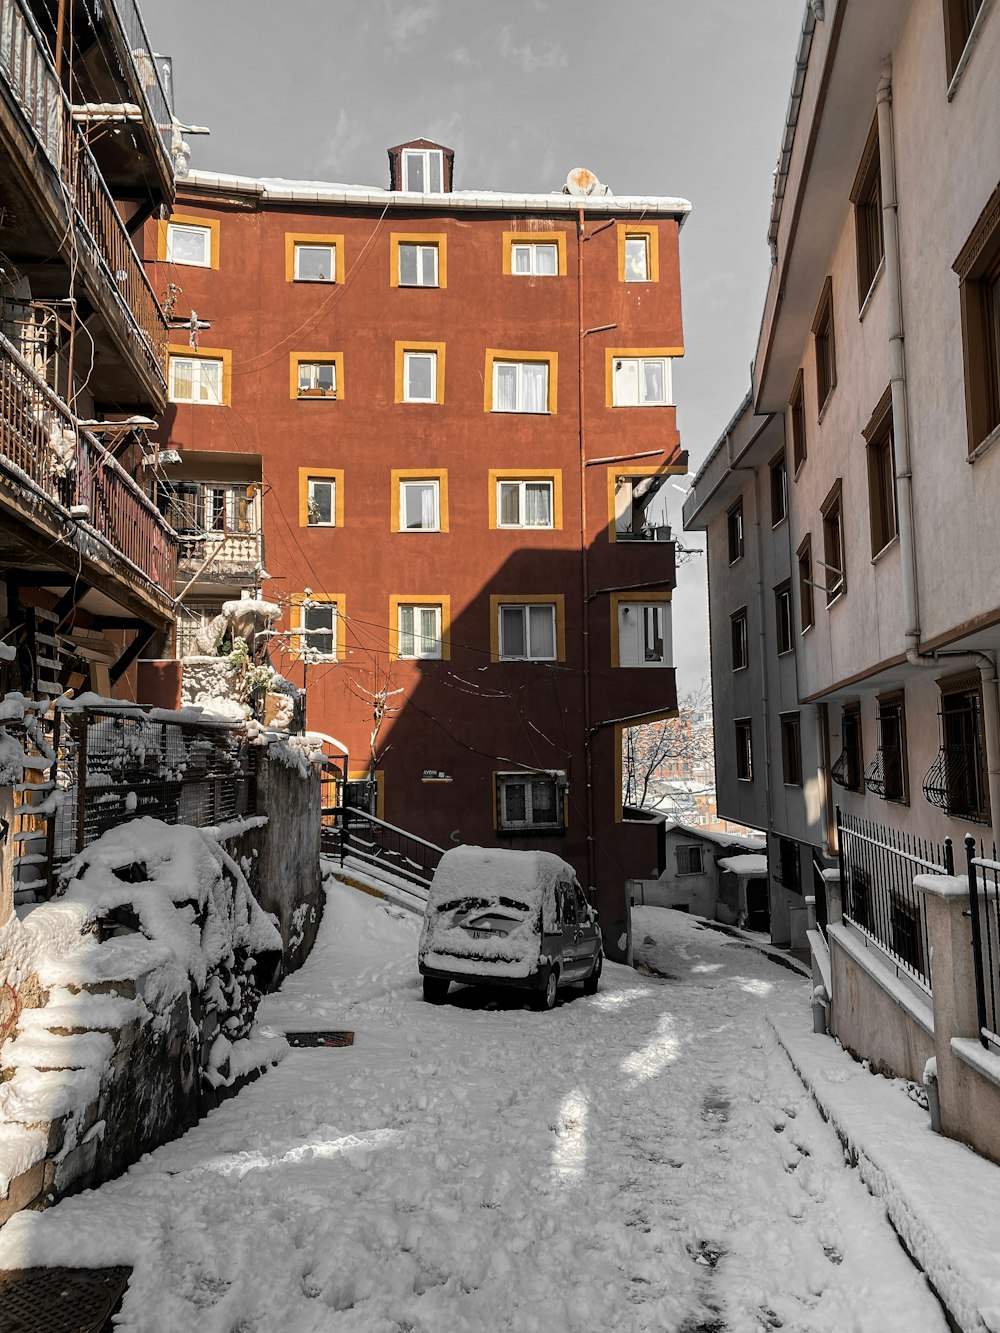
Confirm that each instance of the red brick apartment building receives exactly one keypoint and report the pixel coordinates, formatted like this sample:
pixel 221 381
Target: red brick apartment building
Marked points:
pixel 441 420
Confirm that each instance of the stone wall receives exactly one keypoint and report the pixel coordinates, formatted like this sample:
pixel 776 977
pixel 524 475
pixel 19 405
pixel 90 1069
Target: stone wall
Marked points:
pixel 289 883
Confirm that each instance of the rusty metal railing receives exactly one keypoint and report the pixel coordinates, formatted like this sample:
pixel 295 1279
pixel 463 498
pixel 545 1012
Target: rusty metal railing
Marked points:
pixel 40 438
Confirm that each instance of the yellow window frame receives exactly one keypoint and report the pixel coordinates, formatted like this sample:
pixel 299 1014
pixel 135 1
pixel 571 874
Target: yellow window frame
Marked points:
pixel 296 636
pixel 400 379
pixel 296 359
pixel 438 474
pixel 307 474
pixel 651 235
pixel 294 238
pixel 212 225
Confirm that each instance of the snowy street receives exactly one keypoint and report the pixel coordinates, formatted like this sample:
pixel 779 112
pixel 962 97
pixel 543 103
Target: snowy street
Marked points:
pixel 643 1159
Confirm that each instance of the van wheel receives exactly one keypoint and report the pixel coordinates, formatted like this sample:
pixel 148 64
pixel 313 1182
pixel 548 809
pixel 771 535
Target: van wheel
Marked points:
pixel 546 997
pixel 436 989
pixel 590 985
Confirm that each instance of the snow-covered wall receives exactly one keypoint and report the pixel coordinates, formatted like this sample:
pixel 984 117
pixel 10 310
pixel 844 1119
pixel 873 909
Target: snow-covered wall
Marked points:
pixel 137 991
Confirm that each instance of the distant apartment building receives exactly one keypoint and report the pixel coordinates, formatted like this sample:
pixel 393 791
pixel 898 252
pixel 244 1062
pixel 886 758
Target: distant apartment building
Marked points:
pixel 850 508
pixel 87 561
pixel 439 422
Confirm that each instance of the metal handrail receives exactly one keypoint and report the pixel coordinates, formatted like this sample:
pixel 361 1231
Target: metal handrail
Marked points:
pixel 147 71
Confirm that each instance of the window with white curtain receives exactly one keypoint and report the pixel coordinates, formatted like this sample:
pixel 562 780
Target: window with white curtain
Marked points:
pixel 419 506
pixel 188 244
pixel 520 386
pixel 195 379
pixel 641 381
pixel 419 377
pixel 423 170
pixel 538 259
pixel 418 265
pixel 419 631
pixel 528 632
pixel 524 504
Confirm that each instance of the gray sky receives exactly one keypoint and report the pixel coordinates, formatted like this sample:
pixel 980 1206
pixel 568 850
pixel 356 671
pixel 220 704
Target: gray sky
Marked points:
pixel 670 97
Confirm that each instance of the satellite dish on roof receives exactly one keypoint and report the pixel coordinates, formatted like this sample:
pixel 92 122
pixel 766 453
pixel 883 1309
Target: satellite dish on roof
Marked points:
pixel 582 181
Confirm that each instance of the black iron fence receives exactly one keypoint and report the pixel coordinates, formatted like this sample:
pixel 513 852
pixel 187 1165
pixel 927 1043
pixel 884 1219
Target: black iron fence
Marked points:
pixel 877 868
pixel 114 765
pixel 984 903
pixel 350 832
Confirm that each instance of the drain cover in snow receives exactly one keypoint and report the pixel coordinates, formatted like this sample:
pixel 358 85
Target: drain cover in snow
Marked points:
pixel 60 1300
pixel 320 1038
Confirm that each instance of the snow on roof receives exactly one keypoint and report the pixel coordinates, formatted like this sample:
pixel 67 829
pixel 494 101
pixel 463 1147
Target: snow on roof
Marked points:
pixel 749 841
pixel 275 189
pixel 745 865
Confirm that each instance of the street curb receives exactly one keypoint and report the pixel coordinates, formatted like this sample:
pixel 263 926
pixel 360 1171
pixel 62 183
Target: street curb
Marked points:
pixel 940 1197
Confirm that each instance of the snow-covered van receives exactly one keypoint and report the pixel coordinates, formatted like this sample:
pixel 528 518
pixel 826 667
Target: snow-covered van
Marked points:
pixel 502 918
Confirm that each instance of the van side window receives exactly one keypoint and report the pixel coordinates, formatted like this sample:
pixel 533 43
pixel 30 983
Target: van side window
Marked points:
pixel 582 906
pixel 567 912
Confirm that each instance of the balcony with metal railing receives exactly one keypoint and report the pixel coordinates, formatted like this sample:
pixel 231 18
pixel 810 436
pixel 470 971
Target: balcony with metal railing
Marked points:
pixel 75 206
pixel 47 457
pixel 145 67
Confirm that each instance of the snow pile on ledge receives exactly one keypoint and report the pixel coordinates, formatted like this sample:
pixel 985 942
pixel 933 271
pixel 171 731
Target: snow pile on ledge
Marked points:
pixel 744 865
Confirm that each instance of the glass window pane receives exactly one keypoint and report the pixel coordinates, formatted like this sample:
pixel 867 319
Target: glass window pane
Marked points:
pixel 546 260
pixel 512 632
pixel 542 632
pixel 210 373
pixel 652 633
pixel 315 263
pixel 181 379
pixel 321 502
pixel 534 385
pixel 636 259
pixel 320 625
pixel 430 632
pixel 515 806
pixel 428 265
pixel 510 510
pixel 543 802
pixel 420 376
pixel 626 382
pixel 188 245
pixel 419 505
pixel 434 163
pixel 652 373
pixel 505 387
pixel 538 504
pixel 413 171
pixel 521 258
pixel 408 265
pixel 406 631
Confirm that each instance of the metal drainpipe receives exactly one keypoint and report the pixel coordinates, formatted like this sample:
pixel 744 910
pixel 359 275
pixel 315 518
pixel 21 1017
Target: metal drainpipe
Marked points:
pixel 584 570
pixel 904 476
